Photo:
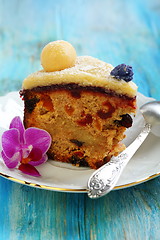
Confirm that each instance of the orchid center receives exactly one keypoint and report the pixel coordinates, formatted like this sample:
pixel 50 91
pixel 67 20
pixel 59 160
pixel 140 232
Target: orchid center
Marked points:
pixel 26 160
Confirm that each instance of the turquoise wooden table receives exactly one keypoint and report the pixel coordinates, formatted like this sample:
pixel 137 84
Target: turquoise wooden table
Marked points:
pixel 115 31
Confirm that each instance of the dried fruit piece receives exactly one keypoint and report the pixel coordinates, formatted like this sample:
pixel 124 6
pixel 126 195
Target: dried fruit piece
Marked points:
pixel 75 160
pixel 30 104
pixel 86 120
pixel 126 121
pixel 47 102
pixel 69 109
pixel 76 142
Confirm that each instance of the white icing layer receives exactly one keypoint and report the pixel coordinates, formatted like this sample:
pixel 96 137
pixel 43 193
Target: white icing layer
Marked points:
pixel 88 71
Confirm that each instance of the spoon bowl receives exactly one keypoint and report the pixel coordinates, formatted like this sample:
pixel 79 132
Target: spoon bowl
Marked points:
pixel 151 112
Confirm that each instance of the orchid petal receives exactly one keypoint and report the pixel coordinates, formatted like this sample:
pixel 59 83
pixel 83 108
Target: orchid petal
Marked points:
pixel 29 169
pixel 35 154
pixel 17 123
pixel 38 138
pixel 11 162
pixel 10 142
pixel 42 160
pixel 26 150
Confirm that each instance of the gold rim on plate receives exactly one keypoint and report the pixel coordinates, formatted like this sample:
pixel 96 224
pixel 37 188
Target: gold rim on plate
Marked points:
pixel 74 190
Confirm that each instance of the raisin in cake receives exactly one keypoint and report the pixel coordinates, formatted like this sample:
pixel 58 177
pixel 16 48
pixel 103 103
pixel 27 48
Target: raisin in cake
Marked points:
pixel 85 105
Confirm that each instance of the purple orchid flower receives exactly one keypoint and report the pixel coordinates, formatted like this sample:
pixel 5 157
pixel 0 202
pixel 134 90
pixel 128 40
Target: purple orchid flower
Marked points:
pixel 25 148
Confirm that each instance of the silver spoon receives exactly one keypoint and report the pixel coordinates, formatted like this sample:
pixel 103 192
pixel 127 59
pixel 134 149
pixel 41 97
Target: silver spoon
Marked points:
pixel 104 179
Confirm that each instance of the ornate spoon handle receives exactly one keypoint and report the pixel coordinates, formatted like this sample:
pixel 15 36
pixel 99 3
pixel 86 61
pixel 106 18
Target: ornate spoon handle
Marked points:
pixel 103 180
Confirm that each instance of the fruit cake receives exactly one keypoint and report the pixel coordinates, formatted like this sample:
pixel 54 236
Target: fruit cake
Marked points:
pixel 84 103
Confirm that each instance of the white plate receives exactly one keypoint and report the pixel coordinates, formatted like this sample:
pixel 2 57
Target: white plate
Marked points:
pixel 56 176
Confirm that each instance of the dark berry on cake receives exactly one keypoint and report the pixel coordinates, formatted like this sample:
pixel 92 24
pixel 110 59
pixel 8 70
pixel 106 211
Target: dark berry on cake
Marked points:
pixel 123 71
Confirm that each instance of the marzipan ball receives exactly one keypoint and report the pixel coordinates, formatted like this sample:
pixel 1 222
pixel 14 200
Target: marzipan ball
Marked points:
pixel 57 56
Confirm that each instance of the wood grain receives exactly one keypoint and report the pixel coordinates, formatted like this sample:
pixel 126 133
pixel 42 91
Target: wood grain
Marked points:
pixel 116 32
